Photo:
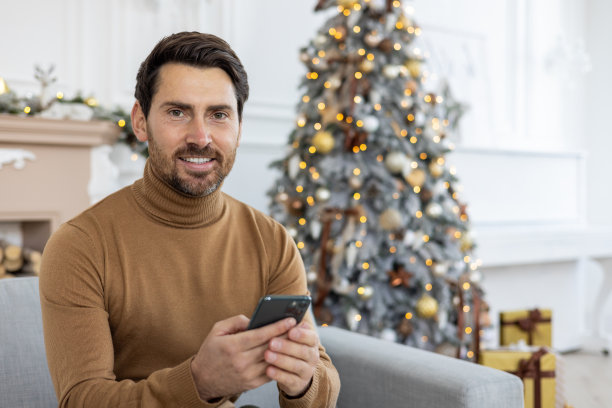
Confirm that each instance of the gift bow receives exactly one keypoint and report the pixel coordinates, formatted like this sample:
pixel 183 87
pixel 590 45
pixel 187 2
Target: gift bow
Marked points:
pixel 531 368
pixel 529 323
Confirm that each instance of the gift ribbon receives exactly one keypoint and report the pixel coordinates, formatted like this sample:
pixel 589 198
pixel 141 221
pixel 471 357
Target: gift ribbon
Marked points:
pixel 531 368
pixel 323 279
pixel 529 323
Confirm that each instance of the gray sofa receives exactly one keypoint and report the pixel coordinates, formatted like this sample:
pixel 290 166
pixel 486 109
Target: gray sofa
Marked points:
pixel 374 373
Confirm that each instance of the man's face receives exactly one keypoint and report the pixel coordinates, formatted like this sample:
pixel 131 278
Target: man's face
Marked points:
pixel 193 128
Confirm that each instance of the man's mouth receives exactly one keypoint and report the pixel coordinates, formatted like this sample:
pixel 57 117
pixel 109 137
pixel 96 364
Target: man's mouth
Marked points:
pixel 196 160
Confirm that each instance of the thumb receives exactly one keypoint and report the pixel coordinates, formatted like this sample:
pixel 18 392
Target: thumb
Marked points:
pixel 232 325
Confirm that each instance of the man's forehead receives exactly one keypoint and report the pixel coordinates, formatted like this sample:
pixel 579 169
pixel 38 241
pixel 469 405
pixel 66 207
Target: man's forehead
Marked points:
pixel 185 81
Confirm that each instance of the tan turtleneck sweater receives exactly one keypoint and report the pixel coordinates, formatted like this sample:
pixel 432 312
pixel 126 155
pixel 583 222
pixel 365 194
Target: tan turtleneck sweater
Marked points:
pixel 131 287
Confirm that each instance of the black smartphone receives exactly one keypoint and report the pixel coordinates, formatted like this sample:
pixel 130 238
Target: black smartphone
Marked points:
pixel 273 308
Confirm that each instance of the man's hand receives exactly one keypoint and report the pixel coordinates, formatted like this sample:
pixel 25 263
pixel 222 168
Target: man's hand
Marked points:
pixel 293 359
pixel 231 360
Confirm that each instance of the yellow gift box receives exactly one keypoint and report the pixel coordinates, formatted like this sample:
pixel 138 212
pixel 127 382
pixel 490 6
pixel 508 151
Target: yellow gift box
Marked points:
pixel 532 326
pixel 536 369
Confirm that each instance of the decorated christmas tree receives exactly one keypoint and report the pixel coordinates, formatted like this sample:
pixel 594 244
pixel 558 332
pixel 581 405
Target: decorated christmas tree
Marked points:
pixel 365 189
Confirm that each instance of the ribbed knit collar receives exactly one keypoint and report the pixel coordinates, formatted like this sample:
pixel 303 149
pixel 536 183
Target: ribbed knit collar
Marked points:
pixel 167 205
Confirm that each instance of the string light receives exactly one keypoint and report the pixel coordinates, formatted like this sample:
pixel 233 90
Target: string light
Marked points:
pixel 305 98
pixel 365 266
pixel 392 249
pixel 466 308
pixel 470 354
pixel 417 189
pixel 408 316
pixel 377 107
pixel 361 51
pixel 410 117
pixel 301 122
pixel 356 196
pixel 302 221
pixel 310 200
pixel 468 330
pixel 357 317
pixel 299 189
pixel 428 262
pixel 327 84
pixel 317 126
pixel 355 149
pixel 315 61
pixel 121 123
pixel 356 171
pixel 303 165
pixel 356 29
pixel 413 139
pixel 358 75
pixel 312 150
pixel 358 244
pixel 425 238
pixel 466 259
pixel 466 285
pixel 339 116
pixel 300 245
pixel 428 287
pixel 59 95
pixel 27 109
pixel 419 214
pixel 363 147
pixel 363 219
pixel 321 53
pixel 397 46
pixel 370 57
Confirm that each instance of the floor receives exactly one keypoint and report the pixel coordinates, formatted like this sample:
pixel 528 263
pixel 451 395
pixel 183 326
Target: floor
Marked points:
pixel 587 379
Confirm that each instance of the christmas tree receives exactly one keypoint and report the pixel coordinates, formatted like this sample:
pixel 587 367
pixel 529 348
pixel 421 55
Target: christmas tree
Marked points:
pixel 365 188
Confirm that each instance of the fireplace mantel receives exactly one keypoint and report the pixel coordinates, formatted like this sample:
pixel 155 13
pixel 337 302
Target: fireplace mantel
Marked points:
pixel 46 171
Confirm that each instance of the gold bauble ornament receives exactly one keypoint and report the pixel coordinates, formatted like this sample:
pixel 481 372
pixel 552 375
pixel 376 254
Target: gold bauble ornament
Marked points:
pixel 414 67
pixel 347 3
pixel 323 141
pixel 390 219
pixel 414 177
pixel 435 169
pixel 427 307
pixel 367 66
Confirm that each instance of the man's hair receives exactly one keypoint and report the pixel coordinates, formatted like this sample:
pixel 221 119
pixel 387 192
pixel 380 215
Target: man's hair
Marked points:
pixel 195 49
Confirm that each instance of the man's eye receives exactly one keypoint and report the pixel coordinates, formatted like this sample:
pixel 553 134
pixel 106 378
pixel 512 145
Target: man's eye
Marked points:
pixel 176 113
pixel 219 115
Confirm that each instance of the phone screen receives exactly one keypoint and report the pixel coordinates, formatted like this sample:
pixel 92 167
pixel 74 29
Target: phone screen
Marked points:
pixel 273 308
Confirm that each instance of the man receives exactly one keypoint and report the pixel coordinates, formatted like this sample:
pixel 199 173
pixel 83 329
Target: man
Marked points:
pixel 144 295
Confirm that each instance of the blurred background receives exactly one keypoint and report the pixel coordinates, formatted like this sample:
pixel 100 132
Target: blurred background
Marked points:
pixel 532 152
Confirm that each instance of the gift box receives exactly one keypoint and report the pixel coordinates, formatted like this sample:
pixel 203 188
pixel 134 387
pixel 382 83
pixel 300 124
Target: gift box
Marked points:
pixel 534 327
pixel 535 368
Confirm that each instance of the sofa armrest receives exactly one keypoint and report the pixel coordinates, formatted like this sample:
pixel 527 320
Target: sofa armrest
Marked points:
pixel 378 373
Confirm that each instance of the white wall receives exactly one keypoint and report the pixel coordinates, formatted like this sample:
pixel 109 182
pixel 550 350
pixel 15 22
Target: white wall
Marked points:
pixel 532 152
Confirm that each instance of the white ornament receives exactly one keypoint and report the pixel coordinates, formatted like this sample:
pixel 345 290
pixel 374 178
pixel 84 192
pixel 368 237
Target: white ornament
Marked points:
pixel 375 97
pixel 15 156
pixel 322 194
pixel 335 82
pixel 293 166
pixel 315 229
pixel 352 318
pixel 371 123
pixel 395 162
pixel 440 269
pixel 351 255
pixel 476 276
pixel 319 41
pixel 434 210
pixel 292 232
pixel 391 71
pixel 311 277
pixel 388 335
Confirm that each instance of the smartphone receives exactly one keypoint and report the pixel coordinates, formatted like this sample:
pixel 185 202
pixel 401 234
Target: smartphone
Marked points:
pixel 273 308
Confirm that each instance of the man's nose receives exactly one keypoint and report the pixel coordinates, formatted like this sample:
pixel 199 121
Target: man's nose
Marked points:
pixel 199 132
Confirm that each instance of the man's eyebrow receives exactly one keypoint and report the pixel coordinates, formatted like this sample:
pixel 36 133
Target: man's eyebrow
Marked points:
pixel 176 104
pixel 220 107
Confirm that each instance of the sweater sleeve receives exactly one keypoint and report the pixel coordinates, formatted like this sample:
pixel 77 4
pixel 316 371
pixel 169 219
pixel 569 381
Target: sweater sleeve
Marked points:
pixel 287 276
pixel 78 337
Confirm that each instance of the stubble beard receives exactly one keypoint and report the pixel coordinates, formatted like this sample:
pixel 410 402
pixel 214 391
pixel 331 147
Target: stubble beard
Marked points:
pixel 195 184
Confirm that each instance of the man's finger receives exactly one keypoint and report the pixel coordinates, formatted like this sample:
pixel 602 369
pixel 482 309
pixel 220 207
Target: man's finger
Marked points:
pixel 262 335
pixel 232 325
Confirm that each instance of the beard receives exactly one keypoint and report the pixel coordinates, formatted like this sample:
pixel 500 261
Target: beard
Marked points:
pixel 194 184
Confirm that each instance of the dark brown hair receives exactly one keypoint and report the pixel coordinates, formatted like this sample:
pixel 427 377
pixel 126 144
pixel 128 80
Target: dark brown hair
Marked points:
pixel 195 49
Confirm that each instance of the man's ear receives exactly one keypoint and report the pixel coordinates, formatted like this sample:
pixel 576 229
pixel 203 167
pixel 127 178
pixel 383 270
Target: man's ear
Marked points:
pixel 239 134
pixel 139 123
